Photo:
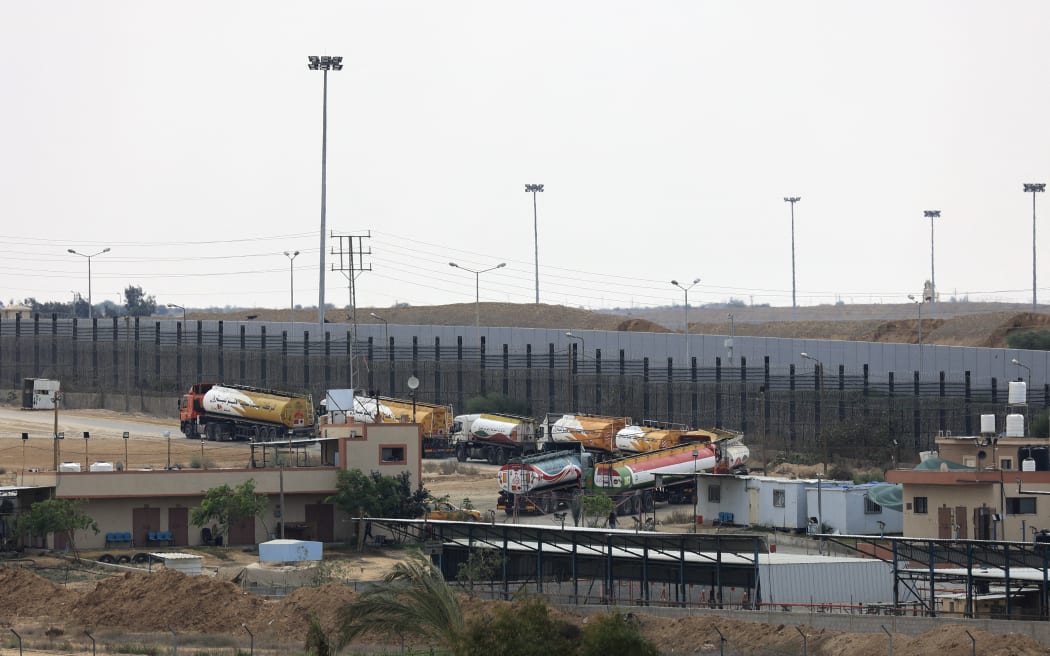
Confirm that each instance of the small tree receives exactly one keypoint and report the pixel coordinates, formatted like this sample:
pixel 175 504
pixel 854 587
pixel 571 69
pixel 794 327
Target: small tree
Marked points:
pixel 480 565
pixel 596 508
pixel 58 516
pixel 226 506
pixel 376 495
pixel 137 304
pixel 615 633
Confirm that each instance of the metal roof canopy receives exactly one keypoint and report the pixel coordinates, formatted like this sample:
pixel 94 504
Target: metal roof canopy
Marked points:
pixel 535 554
pixel 974 562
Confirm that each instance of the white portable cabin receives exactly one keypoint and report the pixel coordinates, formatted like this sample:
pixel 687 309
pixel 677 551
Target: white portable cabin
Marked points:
pixel 769 501
pixel 846 509
pixel 39 393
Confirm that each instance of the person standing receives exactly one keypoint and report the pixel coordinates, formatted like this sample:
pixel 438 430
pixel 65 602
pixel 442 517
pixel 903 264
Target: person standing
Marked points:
pixel 612 519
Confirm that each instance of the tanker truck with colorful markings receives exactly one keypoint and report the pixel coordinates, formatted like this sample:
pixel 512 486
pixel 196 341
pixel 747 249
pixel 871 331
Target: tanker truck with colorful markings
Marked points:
pixel 642 439
pixel 214 411
pixel 596 433
pixel 493 438
pixel 435 420
pixel 555 478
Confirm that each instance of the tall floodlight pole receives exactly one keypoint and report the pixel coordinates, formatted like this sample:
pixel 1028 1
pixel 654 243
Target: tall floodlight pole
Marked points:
pixel 477 290
pixel 291 285
pixel 324 64
pixel 794 304
pixel 534 189
pixel 104 250
pixel 688 362
pixel 1034 188
pixel 931 215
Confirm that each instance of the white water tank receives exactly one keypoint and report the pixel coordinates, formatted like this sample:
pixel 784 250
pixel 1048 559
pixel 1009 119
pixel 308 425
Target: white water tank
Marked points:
pixel 1028 464
pixel 1015 425
pixel 988 424
pixel 100 466
pixel 1018 394
pixel 69 467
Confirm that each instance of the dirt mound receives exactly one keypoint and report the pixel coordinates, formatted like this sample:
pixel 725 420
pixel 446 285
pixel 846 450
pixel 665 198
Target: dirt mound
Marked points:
pixel 27 595
pixel 154 602
pixel 170 600
pixel 641 326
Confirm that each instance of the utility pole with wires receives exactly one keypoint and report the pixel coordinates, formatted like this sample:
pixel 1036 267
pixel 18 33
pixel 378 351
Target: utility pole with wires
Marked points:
pixel 351 261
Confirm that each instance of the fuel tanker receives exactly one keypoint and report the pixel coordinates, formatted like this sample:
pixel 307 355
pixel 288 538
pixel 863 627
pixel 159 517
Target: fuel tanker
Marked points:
pixel 493 438
pixel 641 439
pixel 635 482
pixel 595 432
pixel 238 412
pixel 435 420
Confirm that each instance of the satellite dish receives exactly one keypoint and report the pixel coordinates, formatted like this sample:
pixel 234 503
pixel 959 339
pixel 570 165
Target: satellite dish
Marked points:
pixel 413 382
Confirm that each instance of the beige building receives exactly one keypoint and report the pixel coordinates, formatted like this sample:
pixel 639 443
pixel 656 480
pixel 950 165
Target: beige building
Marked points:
pixel 980 488
pixel 143 503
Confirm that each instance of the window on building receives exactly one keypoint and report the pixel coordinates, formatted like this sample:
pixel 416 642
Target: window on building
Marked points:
pixel 1020 505
pixel 779 498
pixel 714 493
pixel 921 505
pixel 871 508
pixel 392 454
pixel 1006 464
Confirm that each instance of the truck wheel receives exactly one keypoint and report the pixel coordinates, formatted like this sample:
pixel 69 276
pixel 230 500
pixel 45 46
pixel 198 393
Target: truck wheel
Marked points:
pixel 501 457
pixel 209 431
pixel 461 453
pixel 648 502
pixel 490 455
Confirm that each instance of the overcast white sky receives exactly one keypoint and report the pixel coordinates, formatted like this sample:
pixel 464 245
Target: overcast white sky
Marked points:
pixel 187 138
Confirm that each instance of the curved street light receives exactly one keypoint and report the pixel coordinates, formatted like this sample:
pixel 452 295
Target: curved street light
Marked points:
pixel 794 306
pixel 477 289
pixel 104 250
pixel 823 433
pixel 696 281
pixel 177 306
pixel 291 284
pixel 386 327
pixel 918 303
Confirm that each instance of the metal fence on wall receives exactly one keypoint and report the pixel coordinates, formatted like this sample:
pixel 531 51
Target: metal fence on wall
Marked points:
pixel 790 408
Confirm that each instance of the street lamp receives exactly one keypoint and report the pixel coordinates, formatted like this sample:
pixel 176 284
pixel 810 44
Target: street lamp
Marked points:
pixel 534 189
pixel 386 327
pixel 794 306
pixel 696 489
pixel 291 286
pixel 477 289
pixel 823 433
pixel 688 361
pixel 931 215
pixel 177 306
pixel 1034 188
pixel 583 345
pixel 104 250
pixel 324 64
pixel 918 303
pixel 1029 370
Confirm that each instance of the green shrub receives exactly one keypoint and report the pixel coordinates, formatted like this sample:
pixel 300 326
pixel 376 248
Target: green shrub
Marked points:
pixel 1032 340
pixel 615 633
pixel 524 629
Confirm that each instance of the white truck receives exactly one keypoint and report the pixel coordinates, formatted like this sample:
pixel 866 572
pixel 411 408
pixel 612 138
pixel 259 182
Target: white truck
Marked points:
pixel 493 438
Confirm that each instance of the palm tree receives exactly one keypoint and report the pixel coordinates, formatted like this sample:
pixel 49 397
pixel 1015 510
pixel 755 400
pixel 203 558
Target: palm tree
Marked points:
pixel 417 602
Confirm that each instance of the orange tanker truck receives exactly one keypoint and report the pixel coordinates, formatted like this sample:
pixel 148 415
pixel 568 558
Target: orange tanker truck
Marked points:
pixel 238 412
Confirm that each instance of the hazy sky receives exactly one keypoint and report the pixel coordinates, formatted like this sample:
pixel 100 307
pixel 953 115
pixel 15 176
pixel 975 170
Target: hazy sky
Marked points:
pixel 187 138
